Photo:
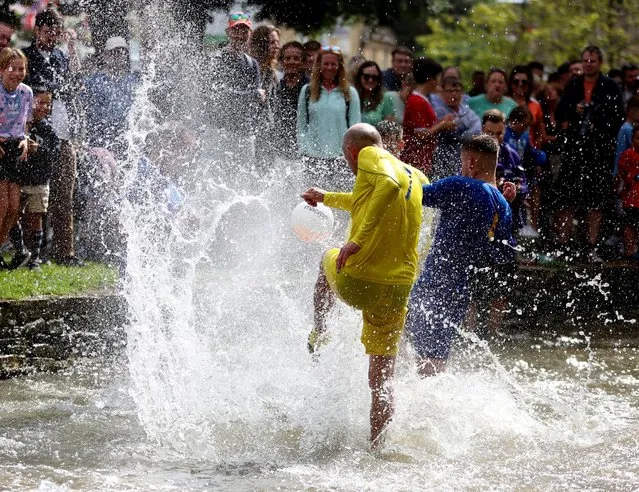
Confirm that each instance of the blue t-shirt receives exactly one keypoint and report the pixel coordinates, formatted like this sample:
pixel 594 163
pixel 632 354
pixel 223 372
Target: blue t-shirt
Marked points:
pixel 624 142
pixel 530 156
pixel 108 100
pixel 475 228
pixel 521 142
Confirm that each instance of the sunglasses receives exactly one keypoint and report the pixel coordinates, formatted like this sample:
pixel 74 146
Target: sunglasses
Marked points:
pixel 368 76
pixel 521 82
pixel 336 50
pixel 238 17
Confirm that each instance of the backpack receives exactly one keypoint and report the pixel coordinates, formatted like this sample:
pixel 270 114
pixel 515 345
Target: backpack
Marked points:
pixel 307 96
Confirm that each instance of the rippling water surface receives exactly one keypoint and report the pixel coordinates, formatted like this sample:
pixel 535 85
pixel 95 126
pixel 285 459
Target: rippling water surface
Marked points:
pixel 549 418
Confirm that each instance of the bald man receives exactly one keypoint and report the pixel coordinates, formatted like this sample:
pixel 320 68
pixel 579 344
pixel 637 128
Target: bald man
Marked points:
pixel 471 255
pixel 375 270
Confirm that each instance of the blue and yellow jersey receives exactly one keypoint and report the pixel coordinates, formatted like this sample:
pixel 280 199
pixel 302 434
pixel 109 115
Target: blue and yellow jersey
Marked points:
pixel 386 214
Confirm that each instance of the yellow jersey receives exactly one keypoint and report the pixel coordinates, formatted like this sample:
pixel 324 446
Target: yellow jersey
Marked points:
pixel 386 215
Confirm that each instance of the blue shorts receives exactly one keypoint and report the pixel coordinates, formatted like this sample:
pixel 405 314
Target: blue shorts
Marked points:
pixel 435 312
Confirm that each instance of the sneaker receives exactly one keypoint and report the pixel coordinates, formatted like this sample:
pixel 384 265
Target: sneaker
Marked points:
pixel 528 231
pixel 34 264
pixel 317 340
pixel 19 259
pixel 545 259
pixel 3 265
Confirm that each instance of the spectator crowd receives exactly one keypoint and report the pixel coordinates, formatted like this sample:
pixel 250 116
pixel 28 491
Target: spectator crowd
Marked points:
pixel 565 136
pixel 568 138
pixel 62 129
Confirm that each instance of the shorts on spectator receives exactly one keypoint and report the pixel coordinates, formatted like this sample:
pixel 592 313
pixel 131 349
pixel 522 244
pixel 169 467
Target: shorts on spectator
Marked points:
pixel 10 161
pixel 35 199
pixel 584 184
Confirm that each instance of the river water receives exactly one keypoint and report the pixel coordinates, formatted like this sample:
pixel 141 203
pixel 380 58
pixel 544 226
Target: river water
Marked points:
pixel 549 418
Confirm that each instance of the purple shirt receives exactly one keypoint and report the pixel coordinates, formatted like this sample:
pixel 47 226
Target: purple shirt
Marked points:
pixel 15 109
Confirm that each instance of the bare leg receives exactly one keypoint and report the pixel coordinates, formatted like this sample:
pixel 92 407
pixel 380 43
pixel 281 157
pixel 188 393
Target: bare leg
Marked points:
pixel 429 366
pixel 497 308
pixel 9 208
pixel 61 203
pixel 535 205
pixel 13 213
pixel 380 372
pixel 323 300
pixel 594 226
pixel 471 317
pixel 4 208
pixel 629 241
pixel 564 225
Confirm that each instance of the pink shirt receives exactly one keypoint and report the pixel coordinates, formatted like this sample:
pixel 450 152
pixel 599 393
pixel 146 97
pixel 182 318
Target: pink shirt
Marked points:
pixel 15 109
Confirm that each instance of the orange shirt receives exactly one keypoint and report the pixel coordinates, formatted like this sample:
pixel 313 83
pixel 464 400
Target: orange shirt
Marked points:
pixel 537 121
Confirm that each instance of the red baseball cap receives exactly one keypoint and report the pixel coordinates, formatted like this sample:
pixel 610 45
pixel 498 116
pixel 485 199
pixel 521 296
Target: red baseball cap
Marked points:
pixel 238 19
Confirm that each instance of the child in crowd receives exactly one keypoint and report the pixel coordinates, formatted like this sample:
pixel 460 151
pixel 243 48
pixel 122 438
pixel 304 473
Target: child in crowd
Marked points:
pixel 35 173
pixel 392 136
pixel 629 178
pixel 509 167
pixel 16 99
pixel 517 136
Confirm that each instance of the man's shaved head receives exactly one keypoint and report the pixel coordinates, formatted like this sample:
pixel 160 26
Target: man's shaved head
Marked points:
pixel 356 138
pixel 362 135
pixel 479 156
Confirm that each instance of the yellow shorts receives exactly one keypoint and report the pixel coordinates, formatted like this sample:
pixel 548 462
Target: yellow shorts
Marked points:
pixel 383 307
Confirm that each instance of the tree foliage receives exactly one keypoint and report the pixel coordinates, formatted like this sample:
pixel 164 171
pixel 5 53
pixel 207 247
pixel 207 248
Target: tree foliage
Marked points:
pixel 503 34
pixel 406 17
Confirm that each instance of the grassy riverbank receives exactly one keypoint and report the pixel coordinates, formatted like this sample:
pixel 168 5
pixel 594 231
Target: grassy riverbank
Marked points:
pixel 55 280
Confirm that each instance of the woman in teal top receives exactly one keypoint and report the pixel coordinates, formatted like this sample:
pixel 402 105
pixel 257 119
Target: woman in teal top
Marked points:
pixel 326 108
pixel 375 102
pixel 494 98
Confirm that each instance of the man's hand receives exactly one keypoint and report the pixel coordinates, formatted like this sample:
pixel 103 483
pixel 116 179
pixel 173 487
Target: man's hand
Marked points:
pixel 313 196
pixel 509 190
pixel 581 107
pixel 32 146
pixel 447 123
pixel 347 250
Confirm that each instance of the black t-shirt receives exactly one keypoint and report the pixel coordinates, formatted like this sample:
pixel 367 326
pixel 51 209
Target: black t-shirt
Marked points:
pixel 391 81
pixel 37 169
pixel 234 101
pixel 286 113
